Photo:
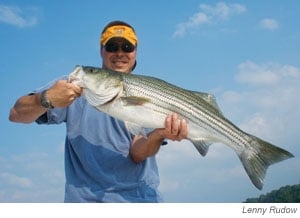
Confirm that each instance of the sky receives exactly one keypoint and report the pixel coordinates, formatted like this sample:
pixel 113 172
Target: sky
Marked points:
pixel 246 53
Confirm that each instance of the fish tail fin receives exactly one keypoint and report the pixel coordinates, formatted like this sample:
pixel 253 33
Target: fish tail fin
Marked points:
pixel 259 157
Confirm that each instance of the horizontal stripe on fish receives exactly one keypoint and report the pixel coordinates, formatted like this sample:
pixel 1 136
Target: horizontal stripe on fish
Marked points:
pixel 183 102
pixel 143 101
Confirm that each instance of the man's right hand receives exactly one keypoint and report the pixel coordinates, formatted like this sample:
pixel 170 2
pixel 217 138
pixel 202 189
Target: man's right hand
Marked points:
pixel 63 93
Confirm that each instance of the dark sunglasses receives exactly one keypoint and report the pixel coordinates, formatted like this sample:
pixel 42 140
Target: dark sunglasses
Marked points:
pixel 114 47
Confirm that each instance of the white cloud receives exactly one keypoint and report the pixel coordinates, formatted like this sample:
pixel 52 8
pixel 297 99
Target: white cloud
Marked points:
pixel 222 11
pixel 269 106
pixel 209 14
pixel 196 20
pixel 17 181
pixel 269 24
pixel 32 177
pixel 268 109
pixel 17 16
pixel 266 74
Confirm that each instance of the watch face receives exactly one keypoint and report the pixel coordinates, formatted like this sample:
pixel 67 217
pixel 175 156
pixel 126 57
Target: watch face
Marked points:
pixel 44 101
pixel 46 104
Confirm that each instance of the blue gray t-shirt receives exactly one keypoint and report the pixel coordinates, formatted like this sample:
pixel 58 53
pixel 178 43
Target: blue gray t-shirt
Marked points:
pixel 98 166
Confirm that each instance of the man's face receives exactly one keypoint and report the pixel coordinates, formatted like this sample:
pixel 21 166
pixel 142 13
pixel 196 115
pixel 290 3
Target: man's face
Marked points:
pixel 118 55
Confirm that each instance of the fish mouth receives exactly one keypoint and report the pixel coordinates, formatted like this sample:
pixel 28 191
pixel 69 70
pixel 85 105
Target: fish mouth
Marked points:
pixel 73 79
pixel 76 75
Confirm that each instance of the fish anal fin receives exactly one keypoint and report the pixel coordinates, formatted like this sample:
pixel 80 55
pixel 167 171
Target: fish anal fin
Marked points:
pixel 201 145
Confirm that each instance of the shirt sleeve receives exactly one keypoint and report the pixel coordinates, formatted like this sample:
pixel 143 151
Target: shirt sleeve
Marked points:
pixel 53 116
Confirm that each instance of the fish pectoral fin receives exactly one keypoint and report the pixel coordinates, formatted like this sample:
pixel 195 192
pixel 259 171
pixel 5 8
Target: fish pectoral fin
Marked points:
pixel 134 100
pixel 135 129
pixel 201 145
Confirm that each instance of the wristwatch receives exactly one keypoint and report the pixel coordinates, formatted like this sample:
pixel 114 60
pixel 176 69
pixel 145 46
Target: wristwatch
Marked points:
pixel 44 101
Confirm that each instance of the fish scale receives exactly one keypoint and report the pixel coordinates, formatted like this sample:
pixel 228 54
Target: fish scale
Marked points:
pixel 144 102
pixel 158 89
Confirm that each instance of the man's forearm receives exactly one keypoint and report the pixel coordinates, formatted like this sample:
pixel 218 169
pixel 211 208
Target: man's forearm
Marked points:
pixel 175 130
pixel 27 109
pixel 144 147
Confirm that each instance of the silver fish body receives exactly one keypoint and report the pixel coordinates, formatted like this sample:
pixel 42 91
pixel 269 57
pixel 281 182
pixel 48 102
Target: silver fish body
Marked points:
pixel 144 102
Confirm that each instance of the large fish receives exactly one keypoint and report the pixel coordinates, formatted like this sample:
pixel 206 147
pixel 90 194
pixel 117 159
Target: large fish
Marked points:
pixel 144 102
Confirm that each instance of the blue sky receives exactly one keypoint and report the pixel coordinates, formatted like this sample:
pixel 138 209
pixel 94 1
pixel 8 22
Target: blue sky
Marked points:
pixel 246 53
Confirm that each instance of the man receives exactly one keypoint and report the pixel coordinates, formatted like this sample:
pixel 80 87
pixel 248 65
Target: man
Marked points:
pixel 104 162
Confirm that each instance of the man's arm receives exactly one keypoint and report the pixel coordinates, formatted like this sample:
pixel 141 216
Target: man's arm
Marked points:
pixel 28 108
pixel 142 148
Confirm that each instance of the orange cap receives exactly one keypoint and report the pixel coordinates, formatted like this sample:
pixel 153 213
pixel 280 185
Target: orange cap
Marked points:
pixel 119 31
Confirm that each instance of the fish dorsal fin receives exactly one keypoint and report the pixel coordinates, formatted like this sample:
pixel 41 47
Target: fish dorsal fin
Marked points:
pixel 134 100
pixel 209 98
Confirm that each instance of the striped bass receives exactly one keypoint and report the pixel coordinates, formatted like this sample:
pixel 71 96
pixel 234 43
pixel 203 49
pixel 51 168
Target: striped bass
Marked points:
pixel 144 102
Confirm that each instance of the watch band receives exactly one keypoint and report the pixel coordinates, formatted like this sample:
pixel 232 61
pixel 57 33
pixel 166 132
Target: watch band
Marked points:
pixel 44 101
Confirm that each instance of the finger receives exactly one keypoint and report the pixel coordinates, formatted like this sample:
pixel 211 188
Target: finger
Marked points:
pixel 77 93
pixel 175 124
pixel 77 88
pixel 168 125
pixel 183 129
pixel 74 91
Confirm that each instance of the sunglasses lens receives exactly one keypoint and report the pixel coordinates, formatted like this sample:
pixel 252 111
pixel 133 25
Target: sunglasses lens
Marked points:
pixel 128 47
pixel 114 47
pixel 111 47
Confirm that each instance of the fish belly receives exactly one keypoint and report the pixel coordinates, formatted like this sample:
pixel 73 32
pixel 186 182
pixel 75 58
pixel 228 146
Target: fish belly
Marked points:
pixel 141 115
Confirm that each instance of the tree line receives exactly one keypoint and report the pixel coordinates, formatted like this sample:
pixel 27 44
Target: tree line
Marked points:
pixel 285 194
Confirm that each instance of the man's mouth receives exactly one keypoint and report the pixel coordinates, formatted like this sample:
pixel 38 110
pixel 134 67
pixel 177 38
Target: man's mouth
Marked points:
pixel 119 63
